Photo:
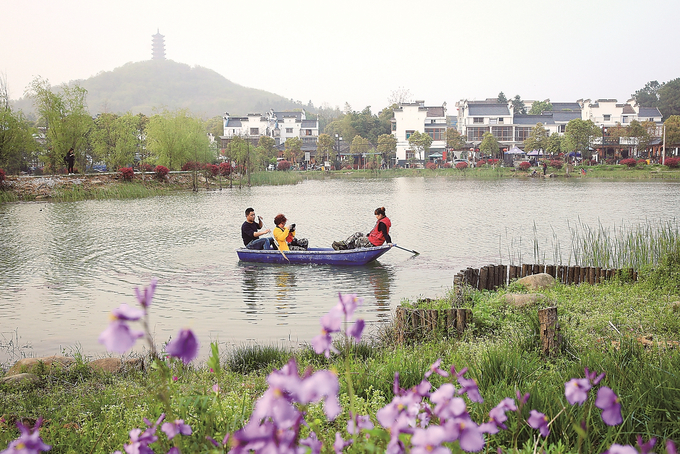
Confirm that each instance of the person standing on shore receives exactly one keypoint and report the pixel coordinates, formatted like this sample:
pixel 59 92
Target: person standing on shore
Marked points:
pixel 252 238
pixel 70 160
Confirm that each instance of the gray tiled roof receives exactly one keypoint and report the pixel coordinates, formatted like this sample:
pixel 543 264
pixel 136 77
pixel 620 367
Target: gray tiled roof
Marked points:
pixel 435 111
pixel 565 115
pixel 488 109
pixel 234 123
pixel 628 109
pixel 649 112
pixel 565 105
pixel 310 124
pixel 296 115
pixel 532 119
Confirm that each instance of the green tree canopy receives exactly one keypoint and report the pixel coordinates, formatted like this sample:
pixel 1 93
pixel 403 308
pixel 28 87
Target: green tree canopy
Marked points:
pixel 554 144
pixel 176 137
pixel 293 149
pixel 489 144
pixel 420 144
pixel 672 129
pixel 17 146
pixel 518 106
pixel 359 145
pixel 387 147
pixel 538 138
pixel 454 139
pixel 669 98
pixel 114 140
pixel 648 96
pixel 579 135
pixel 539 106
pixel 501 99
pixel 325 148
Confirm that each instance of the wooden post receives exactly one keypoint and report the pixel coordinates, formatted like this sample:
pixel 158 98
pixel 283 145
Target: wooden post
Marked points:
pixel 504 275
pixel 550 336
pixel 570 275
pixel 526 270
pixel 483 278
pixel 512 274
pixel 463 317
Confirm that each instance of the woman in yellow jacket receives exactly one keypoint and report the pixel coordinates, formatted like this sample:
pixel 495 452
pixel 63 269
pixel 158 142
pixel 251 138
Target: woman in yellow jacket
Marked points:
pixel 285 236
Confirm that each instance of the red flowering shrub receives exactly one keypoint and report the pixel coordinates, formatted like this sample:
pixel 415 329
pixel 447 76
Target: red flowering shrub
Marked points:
pixel 225 169
pixel 524 165
pixel 630 162
pixel 461 165
pixel 192 165
pixel 556 164
pixel 161 172
pixel 127 173
pixel 593 162
pixel 447 165
pixel 146 167
pixel 283 165
pixel 481 162
pixel 431 165
pixel 642 162
pixel 673 163
pixel 492 162
pixel 212 170
pixel 610 161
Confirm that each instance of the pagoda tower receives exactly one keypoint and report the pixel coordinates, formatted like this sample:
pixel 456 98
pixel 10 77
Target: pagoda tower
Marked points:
pixel 158 47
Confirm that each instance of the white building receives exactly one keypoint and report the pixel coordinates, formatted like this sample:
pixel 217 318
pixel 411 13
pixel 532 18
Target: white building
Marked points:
pixel 411 117
pixel 278 125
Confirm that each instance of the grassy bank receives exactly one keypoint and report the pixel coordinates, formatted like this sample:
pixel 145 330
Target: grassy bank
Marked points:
pixel 628 330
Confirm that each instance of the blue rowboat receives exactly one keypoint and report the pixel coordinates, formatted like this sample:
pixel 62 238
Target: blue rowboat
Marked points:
pixel 322 256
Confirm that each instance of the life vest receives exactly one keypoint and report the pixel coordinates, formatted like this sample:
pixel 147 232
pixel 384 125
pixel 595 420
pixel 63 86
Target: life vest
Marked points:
pixel 376 237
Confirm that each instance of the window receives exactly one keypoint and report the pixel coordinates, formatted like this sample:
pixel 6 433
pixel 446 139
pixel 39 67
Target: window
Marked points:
pixel 308 132
pixel 409 133
pixel 478 120
pixel 394 126
pixel 521 134
pixel 607 117
pixel 289 130
pixel 254 131
pixel 500 121
pixel 624 119
pixel 562 128
pixel 476 133
pixel 436 134
pixel 502 132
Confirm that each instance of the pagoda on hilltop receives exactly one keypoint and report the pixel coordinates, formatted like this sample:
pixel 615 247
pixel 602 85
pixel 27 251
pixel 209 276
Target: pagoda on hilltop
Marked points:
pixel 158 47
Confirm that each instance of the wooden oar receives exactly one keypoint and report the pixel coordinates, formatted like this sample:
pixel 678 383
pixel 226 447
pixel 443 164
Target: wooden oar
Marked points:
pixel 407 250
pixel 277 247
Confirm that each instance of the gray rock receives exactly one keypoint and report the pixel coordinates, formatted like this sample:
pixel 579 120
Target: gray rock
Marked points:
pixel 30 364
pixel 522 300
pixel 537 281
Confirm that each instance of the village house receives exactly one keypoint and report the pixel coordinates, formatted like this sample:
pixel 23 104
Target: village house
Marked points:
pixel 412 117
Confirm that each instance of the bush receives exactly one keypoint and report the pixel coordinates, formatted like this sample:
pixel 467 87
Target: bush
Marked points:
pixel 672 163
pixel 447 165
pixel 161 172
pixel 225 169
pixel 461 165
pixel 524 165
pixel 212 170
pixel 492 162
pixel 610 161
pixel 642 162
pixel 146 167
pixel 593 162
pixel 192 165
pixel 126 173
pixel 431 165
pixel 556 164
pixel 481 162
pixel 283 165
pixel 630 162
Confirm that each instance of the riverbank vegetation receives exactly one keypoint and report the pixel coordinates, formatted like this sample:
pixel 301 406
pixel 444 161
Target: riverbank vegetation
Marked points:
pixel 628 330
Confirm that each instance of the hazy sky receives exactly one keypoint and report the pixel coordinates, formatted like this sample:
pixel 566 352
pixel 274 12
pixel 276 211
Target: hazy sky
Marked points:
pixel 358 51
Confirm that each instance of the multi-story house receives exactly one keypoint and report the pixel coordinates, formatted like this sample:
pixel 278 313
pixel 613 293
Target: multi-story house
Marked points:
pixel 412 117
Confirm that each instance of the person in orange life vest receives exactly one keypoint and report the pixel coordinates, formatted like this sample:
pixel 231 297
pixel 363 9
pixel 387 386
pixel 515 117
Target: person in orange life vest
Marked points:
pixel 376 237
pixel 285 236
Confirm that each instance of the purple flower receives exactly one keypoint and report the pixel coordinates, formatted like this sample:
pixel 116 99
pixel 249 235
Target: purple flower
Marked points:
pixel 144 298
pixel 125 312
pixel 184 346
pixel 593 377
pixel 357 423
pixel 356 329
pixel 29 441
pixel 312 442
pixel 349 303
pixel 497 416
pixel 539 421
pixel 434 369
pixel 466 432
pixel 322 385
pixel 522 399
pixel 621 449
pixel 118 337
pixel 340 444
pixel 576 390
pixel 447 406
pixel 646 448
pixel 608 402
pixel 670 447
pixel 428 441
pixel 470 387
pixel 172 429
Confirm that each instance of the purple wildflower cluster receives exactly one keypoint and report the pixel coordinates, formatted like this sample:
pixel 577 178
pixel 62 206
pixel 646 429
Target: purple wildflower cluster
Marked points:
pixel 29 441
pixel 119 337
pixel 333 320
pixel 140 440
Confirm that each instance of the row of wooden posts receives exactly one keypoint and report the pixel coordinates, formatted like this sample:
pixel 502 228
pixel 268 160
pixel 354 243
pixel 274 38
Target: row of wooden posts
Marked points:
pixel 491 277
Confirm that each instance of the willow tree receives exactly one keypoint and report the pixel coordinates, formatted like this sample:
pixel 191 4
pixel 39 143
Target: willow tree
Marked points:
pixel 175 137
pixel 324 147
pixel 387 147
pixel 17 146
pixel 67 122
pixel 114 139
pixel 293 149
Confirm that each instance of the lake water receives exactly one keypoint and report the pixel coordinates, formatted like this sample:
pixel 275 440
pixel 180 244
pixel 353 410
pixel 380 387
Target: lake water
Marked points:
pixel 65 266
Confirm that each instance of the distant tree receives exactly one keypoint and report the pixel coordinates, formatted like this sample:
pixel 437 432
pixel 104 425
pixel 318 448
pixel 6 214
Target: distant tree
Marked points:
pixel 420 144
pixel 518 106
pixel 672 126
pixel 17 146
pixel 400 96
pixel 215 126
pixel 114 140
pixel 293 149
pixel 67 122
pixel 387 147
pixel 240 151
pixel 359 145
pixel 554 144
pixel 325 148
pixel 489 144
pixel 643 132
pixel 267 146
pixel 648 96
pixel 454 139
pixel 669 98
pixel 176 137
pixel 539 106
pixel 579 136
pixel 538 138
pixel 501 99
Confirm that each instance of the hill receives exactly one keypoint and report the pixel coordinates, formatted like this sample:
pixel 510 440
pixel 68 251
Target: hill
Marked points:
pixel 151 85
